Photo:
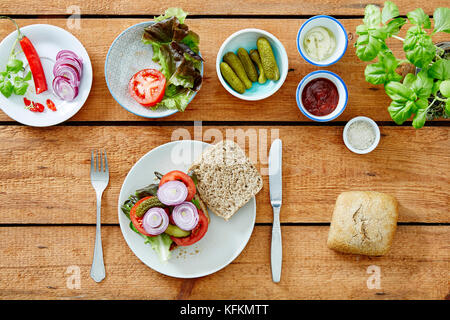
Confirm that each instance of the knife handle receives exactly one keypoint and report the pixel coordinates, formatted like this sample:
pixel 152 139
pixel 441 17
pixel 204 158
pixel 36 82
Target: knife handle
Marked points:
pixel 276 253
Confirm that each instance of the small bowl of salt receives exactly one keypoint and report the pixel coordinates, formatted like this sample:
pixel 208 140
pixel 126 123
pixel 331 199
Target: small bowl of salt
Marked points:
pixel 361 135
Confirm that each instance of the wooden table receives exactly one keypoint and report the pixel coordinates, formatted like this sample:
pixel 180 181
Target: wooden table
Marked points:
pixel 47 204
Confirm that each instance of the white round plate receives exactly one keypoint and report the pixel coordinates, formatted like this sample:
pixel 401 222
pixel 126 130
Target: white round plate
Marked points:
pixel 48 41
pixel 224 240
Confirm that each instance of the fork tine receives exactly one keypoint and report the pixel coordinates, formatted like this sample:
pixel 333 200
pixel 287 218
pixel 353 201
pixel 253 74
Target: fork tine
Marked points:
pixel 97 165
pixel 101 161
pixel 106 163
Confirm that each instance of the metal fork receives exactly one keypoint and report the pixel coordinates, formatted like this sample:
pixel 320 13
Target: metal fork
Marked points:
pixel 99 180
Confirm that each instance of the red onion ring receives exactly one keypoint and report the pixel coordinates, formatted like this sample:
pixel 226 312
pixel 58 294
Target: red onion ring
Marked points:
pixel 64 89
pixel 68 53
pixel 185 216
pixel 172 193
pixel 155 221
pixel 70 72
pixel 68 60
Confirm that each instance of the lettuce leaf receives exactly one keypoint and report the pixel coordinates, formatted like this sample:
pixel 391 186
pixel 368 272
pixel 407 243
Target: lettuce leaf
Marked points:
pixel 176 98
pixel 161 245
pixel 173 12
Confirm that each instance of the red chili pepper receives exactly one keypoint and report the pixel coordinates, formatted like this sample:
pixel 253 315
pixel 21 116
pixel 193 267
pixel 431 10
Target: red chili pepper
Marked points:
pixel 37 107
pixel 33 59
pixel 26 102
pixel 51 105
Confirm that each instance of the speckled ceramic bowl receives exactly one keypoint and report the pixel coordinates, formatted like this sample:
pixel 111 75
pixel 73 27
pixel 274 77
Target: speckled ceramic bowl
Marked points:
pixel 126 56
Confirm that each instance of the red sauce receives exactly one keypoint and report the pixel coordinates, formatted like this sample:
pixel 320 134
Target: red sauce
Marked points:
pixel 320 97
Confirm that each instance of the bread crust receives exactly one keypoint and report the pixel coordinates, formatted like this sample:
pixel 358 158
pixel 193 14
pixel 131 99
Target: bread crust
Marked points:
pixel 363 222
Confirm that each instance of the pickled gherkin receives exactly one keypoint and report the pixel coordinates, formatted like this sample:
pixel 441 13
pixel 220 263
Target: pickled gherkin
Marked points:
pixel 268 59
pixel 231 78
pixel 249 67
pixel 233 61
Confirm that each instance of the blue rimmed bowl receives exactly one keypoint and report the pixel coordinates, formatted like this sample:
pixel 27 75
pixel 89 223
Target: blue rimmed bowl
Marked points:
pixel 339 32
pixel 246 39
pixel 341 88
pixel 126 56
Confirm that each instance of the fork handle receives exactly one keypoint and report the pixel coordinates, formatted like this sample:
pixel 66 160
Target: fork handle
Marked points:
pixel 98 266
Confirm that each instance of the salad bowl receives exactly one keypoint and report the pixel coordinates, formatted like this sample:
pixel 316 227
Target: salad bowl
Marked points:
pixel 126 56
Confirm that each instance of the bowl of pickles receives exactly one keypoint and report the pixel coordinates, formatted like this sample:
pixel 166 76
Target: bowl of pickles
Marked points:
pixel 252 64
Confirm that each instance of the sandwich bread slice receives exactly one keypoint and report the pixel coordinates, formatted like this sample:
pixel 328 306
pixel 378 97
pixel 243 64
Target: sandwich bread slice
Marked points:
pixel 226 178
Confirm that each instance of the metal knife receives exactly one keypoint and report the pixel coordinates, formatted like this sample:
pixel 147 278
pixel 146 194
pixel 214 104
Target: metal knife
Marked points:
pixel 276 252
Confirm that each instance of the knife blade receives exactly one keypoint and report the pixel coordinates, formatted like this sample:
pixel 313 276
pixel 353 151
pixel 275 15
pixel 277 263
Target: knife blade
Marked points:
pixel 275 184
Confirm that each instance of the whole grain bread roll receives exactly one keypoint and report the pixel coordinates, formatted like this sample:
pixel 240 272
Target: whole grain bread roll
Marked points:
pixel 363 222
pixel 226 179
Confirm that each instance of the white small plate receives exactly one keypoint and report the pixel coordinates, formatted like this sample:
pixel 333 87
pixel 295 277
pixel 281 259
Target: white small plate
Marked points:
pixel 223 241
pixel 48 40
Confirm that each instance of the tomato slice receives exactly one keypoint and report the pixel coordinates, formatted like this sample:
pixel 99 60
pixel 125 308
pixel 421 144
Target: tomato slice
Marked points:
pixel 137 221
pixel 147 87
pixel 196 234
pixel 183 177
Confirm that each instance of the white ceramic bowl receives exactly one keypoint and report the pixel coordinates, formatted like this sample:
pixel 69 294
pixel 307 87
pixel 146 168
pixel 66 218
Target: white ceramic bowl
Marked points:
pixel 342 91
pixel 246 39
pixel 340 34
pixel 375 128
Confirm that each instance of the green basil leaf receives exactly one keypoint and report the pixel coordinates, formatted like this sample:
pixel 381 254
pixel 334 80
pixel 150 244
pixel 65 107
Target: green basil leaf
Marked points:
pixel 436 88
pixel 20 86
pixel 420 118
pixel 375 73
pixel 440 69
pixel 409 80
pixel 390 10
pixel 27 77
pixel 14 65
pixel 420 18
pixel 444 88
pixel 400 112
pixel 399 92
pixel 368 46
pixel 394 26
pixel 423 84
pixel 372 16
pixel 6 88
pixel 441 18
pixel 419 47
pixel 447 107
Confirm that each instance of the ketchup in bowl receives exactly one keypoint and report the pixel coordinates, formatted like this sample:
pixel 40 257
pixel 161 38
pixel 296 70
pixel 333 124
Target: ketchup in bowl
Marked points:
pixel 320 97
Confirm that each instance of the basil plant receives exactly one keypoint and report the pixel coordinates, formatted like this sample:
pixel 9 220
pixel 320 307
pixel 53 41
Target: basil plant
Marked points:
pixel 423 94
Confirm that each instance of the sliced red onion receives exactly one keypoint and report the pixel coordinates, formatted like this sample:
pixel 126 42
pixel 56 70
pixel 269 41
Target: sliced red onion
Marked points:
pixel 70 72
pixel 185 216
pixel 64 89
pixel 155 221
pixel 68 53
pixel 68 60
pixel 172 193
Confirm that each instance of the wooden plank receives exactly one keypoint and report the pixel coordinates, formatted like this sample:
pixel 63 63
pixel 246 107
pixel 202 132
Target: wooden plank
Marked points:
pixel 45 172
pixel 213 102
pixel 260 7
pixel 37 262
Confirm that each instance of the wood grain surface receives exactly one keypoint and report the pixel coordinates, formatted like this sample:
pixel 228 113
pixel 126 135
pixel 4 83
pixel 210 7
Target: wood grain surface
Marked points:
pixel 38 262
pixel 213 102
pixel 199 7
pixel 47 204
pixel 50 167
